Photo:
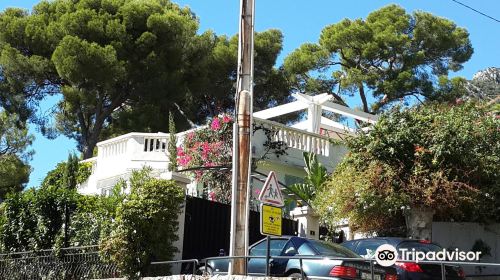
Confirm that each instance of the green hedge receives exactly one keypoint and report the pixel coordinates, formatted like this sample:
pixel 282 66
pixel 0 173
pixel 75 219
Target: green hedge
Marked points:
pixel 131 229
pixel 146 226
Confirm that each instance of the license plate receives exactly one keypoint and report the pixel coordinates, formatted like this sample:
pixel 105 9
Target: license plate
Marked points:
pixel 368 276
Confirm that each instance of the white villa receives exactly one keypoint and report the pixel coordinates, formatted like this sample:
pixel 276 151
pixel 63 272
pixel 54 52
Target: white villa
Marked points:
pixel 118 157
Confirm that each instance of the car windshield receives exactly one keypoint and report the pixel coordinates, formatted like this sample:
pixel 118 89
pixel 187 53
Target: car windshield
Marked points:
pixel 329 249
pixel 419 246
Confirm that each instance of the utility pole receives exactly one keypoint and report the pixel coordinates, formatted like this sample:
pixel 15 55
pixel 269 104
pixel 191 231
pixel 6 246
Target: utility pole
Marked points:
pixel 241 137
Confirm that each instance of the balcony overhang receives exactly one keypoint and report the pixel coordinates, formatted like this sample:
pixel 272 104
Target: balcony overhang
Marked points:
pixel 315 121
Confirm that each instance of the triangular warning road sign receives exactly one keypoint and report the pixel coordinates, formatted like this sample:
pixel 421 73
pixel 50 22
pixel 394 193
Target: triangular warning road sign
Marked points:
pixel 271 193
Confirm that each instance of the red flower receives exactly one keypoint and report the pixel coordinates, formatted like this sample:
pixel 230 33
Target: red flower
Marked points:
pixel 211 196
pixel 419 149
pixel 226 119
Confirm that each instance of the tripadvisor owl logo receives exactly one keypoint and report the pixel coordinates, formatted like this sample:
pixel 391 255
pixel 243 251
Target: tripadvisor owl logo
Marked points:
pixel 386 255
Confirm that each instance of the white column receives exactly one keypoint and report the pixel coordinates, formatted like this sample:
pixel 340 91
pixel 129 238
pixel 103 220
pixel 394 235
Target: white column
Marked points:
pixel 308 222
pixel 313 117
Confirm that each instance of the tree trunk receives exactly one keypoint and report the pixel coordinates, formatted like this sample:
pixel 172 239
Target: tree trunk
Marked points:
pixel 363 98
pixel 419 222
pixel 88 147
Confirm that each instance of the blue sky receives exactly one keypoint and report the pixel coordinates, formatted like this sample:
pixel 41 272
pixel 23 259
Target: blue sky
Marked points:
pixel 300 21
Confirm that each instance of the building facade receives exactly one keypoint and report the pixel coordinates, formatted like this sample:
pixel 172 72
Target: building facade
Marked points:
pixel 118 157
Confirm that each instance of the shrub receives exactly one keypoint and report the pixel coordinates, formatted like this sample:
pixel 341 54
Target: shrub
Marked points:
pixel 92 222
pixel 34 219
pixel 443 157
pixel 146 225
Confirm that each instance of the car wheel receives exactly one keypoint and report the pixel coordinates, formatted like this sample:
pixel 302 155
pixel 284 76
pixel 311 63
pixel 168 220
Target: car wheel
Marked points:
pixel 204 271
pixel 297 275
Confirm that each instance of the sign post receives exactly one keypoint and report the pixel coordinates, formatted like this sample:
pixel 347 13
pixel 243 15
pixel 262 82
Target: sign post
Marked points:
pixel 271 214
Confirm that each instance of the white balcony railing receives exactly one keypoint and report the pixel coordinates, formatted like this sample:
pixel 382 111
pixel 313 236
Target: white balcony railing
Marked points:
pixel 144 144
pixel 155 144
pixel 296 138
pixel 133 144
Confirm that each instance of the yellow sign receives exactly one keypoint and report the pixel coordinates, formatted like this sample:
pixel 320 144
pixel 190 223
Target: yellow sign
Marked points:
pixel 270 220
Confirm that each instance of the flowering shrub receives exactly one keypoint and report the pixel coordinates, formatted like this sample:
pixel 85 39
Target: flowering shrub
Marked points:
pixel 435 156
pixel 206 151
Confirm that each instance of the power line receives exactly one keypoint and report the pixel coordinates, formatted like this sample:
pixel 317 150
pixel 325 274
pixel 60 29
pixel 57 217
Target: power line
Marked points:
pixel 481 13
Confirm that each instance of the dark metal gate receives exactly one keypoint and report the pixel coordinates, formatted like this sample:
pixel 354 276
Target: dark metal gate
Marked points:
pixel 207 226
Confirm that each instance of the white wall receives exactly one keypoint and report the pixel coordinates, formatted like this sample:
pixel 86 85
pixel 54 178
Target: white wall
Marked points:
pixel 464 235
pixel 308 222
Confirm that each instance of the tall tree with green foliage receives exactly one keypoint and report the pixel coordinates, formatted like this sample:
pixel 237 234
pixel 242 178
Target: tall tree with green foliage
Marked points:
pixel 214 92
pixel 70 176
pixel 69 181
pixel 390 55
pixel 120 64
pixel 442 160
pixel 172 143
pixel 211 87
pixel 14 153
pixel 99 56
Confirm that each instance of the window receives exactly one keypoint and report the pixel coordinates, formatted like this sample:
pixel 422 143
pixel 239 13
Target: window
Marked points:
pixel 276 247
pixel 306 250
pixel 367 248
pixel 351 245
pixel 330 249
pixel 289 250
pixel 106 191
pixel 290 180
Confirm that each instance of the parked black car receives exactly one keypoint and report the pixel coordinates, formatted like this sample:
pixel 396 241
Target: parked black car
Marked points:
pixel 407 270
pixel 317 268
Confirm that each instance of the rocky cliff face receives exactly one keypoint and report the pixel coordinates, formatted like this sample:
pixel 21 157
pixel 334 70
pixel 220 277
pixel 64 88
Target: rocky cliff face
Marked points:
pixel 491 74
pixel 485 84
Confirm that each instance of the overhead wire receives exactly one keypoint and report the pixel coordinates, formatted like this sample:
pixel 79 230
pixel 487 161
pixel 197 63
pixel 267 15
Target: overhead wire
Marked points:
pixel 477 11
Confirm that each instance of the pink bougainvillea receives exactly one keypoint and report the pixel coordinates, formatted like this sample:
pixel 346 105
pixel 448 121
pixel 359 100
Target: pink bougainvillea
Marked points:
pixel 212 196
pixel 208 151
pixel 215 124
